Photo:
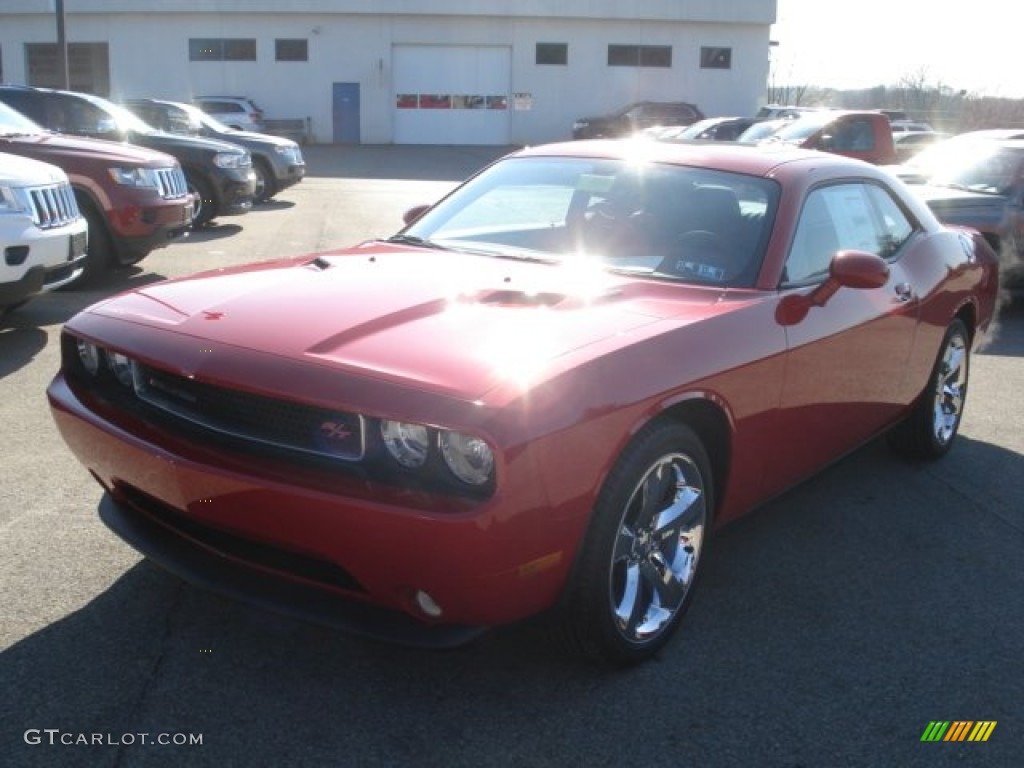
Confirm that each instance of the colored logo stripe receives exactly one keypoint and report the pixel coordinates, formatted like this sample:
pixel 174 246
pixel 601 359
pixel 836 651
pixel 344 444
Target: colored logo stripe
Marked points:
pixel 935 730
pixel 958 730
pixel 982 730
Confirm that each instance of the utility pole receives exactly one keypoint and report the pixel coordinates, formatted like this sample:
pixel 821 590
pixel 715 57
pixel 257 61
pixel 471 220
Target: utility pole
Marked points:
pixel 62 49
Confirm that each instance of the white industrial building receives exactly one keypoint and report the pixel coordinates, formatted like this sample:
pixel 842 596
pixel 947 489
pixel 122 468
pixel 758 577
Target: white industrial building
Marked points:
pixel 406 71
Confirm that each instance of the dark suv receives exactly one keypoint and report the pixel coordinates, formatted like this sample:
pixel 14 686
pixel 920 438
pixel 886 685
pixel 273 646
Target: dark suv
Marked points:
pixel 636 117
pixel 219 174
pixel 133 199
pixel 277 162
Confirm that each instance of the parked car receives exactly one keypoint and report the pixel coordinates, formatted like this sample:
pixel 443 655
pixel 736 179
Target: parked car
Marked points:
pixel 236 112
pixel 277 163
pixel 134 199
pixel 979 183
pixel 776 111
pixel 863 135
pixel 762 129
pixel 909 143
pixel 635 117
pixel 42 234
pixel 543 393
pixel 710 129
pixel 909 126
pixel 219 175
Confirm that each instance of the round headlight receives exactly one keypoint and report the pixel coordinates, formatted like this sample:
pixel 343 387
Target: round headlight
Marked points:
pixel 89 354
pixel 407 443
pixel 469 458
pixel 121 367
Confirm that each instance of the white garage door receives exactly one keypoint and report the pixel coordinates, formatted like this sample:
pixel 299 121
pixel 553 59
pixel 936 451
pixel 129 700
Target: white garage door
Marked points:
pixel 451 94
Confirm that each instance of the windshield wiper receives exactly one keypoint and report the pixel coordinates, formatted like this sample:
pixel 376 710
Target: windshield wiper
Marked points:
pixel 420 242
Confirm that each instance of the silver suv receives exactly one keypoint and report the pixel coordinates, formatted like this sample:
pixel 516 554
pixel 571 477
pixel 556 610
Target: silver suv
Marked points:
pixel 234 111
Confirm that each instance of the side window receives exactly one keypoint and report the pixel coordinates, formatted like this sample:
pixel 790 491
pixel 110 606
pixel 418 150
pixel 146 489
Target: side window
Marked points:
pixel 896 228
pixel 844 217
pixel 854 135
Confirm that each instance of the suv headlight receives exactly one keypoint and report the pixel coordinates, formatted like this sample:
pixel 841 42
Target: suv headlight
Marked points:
pixel 469 458
pixel 133 177
pixel 232 160
pixel 10 202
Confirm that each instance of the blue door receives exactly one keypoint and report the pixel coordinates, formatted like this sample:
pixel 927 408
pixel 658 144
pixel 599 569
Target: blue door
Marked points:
pixel 345 101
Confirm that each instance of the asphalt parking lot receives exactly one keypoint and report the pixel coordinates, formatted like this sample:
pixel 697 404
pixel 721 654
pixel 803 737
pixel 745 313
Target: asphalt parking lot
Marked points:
pixel 833 625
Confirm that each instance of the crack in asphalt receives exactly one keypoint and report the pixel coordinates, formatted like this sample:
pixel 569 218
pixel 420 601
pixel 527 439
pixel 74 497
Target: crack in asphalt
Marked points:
pixel 175 603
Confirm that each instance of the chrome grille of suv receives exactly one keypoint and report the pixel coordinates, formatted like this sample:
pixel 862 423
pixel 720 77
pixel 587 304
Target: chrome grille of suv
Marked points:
pixel 171 183
pixel 52 205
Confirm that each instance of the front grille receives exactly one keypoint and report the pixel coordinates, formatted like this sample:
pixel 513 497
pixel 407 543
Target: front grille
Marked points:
pixel 53 205
pixel 281 423
pixel 171 183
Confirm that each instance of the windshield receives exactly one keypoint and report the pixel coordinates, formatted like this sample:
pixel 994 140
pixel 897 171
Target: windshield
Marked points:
pixel 977 166
pixel 695 225
pixel 123 119
pixel 207 121
pixel 802 127
pixel 13 122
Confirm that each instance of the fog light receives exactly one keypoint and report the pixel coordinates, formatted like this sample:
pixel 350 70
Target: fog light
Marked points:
pixel 89 354
pixel 426 604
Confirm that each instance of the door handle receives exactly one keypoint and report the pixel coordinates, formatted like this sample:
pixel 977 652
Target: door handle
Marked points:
pixel 904 292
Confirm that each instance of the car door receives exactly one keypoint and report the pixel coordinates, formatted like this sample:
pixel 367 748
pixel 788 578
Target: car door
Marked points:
pixel 846 360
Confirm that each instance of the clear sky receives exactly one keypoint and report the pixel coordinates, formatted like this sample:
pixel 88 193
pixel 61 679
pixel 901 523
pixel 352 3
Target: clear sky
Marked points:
pixel 964 44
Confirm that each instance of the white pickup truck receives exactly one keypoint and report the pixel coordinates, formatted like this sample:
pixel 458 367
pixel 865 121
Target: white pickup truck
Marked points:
pixel 42 234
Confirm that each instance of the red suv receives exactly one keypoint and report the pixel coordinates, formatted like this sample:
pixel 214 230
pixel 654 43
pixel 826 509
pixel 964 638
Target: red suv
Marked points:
pixel 134 199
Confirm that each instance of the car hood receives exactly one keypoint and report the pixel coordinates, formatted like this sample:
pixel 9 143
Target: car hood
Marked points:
pixel 52 148
pixel 173 143
pixel 251 139
pixel 447 322
pixel 984 212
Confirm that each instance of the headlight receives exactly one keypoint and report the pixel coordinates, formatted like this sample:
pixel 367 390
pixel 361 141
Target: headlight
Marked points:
pixel 232 160
pixel 10 202
pixel 121 367
pixel 89 354
pixel 133 177
pixel 469 458
pixel 407 443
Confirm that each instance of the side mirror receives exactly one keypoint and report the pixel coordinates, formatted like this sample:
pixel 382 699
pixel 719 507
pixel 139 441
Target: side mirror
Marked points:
pixel 848 269
pixel 414 213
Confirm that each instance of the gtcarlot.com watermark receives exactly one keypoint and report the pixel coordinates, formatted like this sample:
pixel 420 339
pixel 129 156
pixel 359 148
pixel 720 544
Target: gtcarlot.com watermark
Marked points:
pixel 55 736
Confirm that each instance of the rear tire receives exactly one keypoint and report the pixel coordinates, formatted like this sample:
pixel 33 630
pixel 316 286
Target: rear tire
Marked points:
pixel 933 423
pixel 638 565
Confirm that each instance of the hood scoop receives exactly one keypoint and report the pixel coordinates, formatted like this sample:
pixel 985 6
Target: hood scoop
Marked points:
pixel 513 298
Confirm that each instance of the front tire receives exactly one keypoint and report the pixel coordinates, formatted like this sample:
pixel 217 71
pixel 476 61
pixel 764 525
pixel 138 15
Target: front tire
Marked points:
pixel 266 187
pixel 635 575
pixel 205 206
pixel 933 423
pixel 99 252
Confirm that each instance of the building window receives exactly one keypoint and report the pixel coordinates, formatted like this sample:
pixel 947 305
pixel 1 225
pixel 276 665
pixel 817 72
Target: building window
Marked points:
pixel 88 67
pixel 639 55
pixel 221 49
pixel 553 53
pixel 291 50
pixel 715 58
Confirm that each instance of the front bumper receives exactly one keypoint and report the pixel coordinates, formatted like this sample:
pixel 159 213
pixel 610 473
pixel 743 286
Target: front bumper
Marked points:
pixel 244 526
pixel 235 192
pixel 138 230
pixel 209 567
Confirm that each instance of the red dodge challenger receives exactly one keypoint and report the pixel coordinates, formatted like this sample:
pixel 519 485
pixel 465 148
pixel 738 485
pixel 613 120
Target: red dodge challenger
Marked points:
pixel 539 396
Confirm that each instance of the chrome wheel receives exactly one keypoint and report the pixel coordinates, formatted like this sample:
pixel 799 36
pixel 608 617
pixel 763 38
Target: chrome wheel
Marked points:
pixel 657 549
pixel 260 193
pixel 950 388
